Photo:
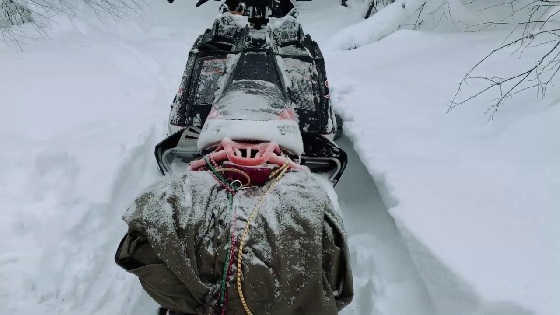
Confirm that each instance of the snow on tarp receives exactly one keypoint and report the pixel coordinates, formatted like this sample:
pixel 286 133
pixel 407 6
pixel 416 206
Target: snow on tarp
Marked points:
pixel 476 201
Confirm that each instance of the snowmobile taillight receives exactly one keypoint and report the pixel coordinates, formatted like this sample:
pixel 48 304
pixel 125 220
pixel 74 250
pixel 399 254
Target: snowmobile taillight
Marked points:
pixel 288 114
pixel 213 114
pixel 247 155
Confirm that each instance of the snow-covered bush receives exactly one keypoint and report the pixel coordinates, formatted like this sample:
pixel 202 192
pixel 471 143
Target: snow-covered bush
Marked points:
pixel 17 12
pixel 12 13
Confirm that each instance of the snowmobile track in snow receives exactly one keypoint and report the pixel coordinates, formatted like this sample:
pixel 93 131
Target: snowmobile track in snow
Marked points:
pixel 386 281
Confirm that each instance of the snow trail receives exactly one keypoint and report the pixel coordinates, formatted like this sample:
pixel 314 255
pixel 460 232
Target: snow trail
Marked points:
pixel 384 274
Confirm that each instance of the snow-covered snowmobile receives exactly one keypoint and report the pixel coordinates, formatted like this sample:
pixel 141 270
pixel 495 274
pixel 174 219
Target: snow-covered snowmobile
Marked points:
pixel 264 55
pixel 242 225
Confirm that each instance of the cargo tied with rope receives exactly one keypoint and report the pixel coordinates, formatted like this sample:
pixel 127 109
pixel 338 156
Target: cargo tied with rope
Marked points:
pixel 201 243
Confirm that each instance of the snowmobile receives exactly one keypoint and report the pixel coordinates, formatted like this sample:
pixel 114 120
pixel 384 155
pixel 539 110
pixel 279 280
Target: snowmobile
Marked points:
pixel 244 224
pixel 255 76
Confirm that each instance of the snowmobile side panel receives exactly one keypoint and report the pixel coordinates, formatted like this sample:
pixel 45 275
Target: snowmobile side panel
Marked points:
pixel 324 107
pixel 178 115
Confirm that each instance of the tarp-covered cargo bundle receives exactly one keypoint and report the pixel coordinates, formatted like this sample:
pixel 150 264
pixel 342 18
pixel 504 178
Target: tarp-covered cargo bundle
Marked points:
pixel 244 222
pixel 184 234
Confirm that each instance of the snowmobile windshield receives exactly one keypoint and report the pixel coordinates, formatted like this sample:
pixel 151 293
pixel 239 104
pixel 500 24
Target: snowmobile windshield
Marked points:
pixel 254 100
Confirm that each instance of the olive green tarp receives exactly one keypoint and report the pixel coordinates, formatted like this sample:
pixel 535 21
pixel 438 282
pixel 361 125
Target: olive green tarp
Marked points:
pixel 295 260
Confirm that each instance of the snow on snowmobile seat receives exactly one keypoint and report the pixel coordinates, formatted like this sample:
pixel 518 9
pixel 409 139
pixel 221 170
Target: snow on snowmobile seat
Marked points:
pixel 252 110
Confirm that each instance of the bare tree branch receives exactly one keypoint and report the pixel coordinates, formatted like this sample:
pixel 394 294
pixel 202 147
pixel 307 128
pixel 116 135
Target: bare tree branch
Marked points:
pixel 536 31
pixel 37 13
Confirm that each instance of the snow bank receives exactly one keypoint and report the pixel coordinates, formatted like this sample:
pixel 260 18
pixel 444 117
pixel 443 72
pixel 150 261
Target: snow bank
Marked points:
pixel 433 15
pixel 385 278
pixel 383 23
pixel 476 201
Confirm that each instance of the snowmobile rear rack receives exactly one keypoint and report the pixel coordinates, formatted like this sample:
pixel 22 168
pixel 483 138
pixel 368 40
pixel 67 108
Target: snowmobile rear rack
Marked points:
pixel 321 155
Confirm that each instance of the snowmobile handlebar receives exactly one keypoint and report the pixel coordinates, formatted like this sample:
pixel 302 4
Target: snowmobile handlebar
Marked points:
pixel 201 2
pixel 258 11
pixel 198 3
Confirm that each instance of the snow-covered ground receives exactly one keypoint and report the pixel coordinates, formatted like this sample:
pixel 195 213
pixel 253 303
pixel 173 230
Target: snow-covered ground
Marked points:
pixel 385 274
pixel 475 202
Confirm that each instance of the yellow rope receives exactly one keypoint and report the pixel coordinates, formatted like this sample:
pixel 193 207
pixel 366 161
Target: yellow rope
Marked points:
pixel 277 176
